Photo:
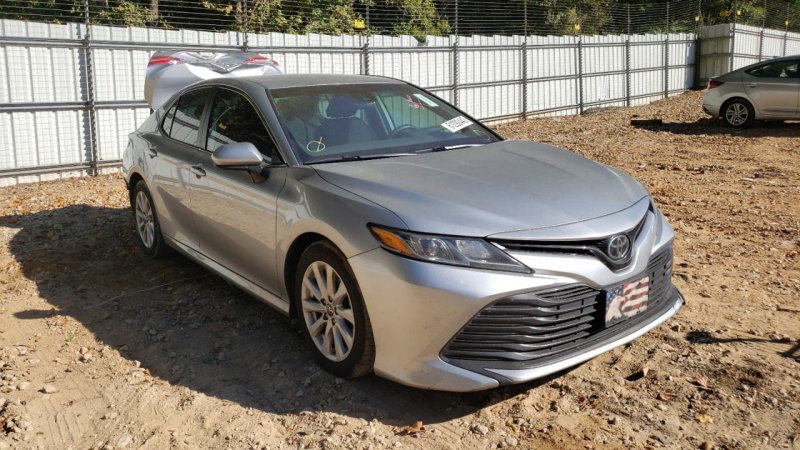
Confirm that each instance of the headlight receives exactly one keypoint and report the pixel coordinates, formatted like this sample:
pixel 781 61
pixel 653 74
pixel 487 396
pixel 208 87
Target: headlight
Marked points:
pixel 458 251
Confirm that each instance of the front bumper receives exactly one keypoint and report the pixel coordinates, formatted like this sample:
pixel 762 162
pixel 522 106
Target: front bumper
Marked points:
pixel 417 308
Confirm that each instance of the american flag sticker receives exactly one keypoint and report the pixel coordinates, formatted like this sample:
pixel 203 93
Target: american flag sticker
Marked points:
pixel 627 300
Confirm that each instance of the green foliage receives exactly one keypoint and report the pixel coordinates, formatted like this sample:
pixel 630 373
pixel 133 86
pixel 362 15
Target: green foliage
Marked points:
pixel 417 18
pixel 126 13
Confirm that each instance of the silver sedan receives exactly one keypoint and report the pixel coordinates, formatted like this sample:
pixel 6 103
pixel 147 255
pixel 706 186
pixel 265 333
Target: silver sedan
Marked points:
pixel 767 90
pixel 403 236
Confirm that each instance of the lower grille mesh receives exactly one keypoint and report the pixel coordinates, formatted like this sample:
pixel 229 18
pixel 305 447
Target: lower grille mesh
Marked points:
pixel 536 325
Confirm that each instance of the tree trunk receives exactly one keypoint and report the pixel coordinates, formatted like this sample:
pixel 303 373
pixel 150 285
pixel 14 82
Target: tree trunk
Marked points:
pixel 154 9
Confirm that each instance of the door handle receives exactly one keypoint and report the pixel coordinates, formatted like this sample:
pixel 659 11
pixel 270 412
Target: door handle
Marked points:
pixel 198 170
pixel 752 85
pixel 152 152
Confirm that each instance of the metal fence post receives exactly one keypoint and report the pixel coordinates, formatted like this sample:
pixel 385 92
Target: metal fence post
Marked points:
pixel 580 74
pixel 628 61
pixel 666 56
pixel 525 62
pixel 761 34
pixel 89 86
pixel 365 48
pixel 733 35
pixel 786 29
pixel 455 60
pixel 628 70
pixel 666 67
pixel 629 20
pixel 668 22
pixel 245 26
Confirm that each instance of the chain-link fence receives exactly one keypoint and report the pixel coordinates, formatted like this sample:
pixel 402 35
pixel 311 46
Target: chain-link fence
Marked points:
pixel 74 69
pixel 414 17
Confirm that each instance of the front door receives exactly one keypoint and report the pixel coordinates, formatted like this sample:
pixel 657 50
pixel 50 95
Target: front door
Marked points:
pixel 774 88
pixel 235 216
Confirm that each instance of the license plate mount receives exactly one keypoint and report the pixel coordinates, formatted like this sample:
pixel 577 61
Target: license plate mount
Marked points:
pixel 627 300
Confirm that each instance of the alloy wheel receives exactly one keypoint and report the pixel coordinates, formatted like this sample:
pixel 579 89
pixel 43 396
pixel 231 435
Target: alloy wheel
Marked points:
pixel 737 114
pixel 327 311
pixel 145 223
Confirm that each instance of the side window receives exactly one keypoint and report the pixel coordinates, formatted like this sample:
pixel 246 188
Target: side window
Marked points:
pixel 167 123
pixel 234 119
pixel 777 69
pixel 185 126
pixel 417 110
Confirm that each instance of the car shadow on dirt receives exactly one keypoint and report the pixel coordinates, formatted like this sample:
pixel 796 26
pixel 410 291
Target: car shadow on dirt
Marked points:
pixel 189 327
pixel 711 127
pixel 775 343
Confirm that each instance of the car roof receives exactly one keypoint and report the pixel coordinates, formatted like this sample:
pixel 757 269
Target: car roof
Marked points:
pixel 779 58
pixel 305 80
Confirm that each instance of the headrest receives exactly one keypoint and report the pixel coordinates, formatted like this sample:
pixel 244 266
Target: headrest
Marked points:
pixel 344 106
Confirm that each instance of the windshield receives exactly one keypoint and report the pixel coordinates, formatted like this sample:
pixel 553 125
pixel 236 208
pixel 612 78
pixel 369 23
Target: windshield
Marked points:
pixel 342 122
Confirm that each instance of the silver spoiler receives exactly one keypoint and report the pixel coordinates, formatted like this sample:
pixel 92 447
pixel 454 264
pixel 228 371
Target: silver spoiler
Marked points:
pixel 169 72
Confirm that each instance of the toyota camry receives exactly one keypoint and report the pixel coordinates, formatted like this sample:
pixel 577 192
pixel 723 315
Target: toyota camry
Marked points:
pixel 402 236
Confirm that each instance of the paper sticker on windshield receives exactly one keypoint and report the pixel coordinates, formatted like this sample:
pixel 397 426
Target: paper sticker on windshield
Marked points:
pixel 426 100
pixel 456 124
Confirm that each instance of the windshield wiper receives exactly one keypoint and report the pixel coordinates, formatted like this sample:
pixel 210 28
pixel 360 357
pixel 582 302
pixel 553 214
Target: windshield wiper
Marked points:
pixel 444 148
pixel 346 158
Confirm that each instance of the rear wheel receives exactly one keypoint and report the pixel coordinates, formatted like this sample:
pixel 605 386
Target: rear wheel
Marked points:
pixel 148 231
pixel 738 113
pixel 331 312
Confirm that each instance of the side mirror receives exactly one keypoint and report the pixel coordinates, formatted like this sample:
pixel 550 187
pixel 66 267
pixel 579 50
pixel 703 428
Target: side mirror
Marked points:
pixel 239 155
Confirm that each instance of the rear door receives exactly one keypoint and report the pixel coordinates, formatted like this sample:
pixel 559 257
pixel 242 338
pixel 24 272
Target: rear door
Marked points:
pixel 171 152
pixel 235 215
pixel 774 88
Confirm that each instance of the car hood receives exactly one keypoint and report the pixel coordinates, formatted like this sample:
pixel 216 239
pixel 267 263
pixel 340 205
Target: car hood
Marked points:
pixel 495 188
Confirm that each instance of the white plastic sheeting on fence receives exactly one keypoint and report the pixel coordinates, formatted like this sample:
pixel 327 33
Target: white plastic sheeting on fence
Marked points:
pixel 52 124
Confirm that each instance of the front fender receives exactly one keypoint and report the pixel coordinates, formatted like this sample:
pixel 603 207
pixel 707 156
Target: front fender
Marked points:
pixel 309 204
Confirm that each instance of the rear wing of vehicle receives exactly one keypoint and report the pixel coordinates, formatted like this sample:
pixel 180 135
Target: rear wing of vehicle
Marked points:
pixel 169 72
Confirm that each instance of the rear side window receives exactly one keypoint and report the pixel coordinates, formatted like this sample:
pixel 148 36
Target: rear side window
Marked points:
pixel 182 122
pixel 777 69
pixel 167 124
pixel 234 119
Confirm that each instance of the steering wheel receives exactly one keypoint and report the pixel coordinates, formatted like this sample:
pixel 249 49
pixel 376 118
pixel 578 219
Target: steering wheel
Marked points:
pixel 401 129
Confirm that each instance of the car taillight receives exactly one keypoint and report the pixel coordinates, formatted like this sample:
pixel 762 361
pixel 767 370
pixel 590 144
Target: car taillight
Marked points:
pixel 258 59
pixel 159 60
pixel 714 83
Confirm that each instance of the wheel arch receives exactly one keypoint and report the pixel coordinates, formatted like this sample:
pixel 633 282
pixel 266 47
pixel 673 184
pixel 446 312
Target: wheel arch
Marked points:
pixel 133 179
pixel 733 98
pixel 296 249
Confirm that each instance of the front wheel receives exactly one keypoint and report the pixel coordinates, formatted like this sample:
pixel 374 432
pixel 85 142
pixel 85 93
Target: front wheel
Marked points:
pixel 331 312
pixel 738 113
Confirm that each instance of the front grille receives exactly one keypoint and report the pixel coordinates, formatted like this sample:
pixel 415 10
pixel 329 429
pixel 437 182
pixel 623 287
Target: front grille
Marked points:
pixel 530 327
pixel 597 248
pixel 660 272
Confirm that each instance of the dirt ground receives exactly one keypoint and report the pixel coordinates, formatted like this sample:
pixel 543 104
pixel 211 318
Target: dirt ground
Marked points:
pixel 103 348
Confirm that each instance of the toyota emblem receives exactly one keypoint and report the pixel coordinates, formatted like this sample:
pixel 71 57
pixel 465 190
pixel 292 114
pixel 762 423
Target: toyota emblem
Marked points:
pixel 619 247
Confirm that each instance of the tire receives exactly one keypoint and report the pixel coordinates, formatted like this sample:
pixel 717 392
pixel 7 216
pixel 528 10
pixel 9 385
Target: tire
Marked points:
pixel 328 321
pixel 148 231
pixel 738 113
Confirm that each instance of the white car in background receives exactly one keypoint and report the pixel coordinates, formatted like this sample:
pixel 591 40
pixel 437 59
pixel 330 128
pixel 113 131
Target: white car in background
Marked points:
pixel 768 90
